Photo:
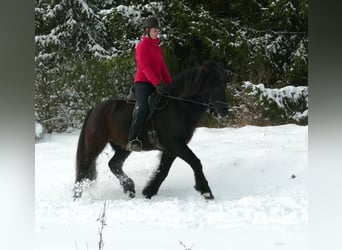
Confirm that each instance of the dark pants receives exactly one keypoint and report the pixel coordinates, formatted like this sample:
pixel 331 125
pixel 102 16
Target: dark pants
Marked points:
pixel 142 91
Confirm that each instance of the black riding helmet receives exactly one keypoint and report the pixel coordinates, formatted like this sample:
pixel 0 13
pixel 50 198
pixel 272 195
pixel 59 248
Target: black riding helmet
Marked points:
pixel 150 22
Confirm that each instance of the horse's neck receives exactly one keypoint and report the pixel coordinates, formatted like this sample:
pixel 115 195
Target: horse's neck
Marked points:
pixel 193 109
pixel 193 102
pixel 182 83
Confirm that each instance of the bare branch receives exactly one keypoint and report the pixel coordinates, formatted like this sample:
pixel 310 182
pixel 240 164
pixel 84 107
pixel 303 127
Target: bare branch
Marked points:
pixel 102 220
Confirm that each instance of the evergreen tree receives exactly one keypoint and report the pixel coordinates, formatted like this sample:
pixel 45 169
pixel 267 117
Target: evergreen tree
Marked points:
pixel 85 48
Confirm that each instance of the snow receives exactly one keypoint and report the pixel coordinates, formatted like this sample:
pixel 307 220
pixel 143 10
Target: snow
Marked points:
pixel 258 176
pixel 38 130
pixel 277 95
pixel 280 96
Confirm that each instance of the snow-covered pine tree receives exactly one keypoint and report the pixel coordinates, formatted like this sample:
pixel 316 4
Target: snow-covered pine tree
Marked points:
pixel 68 33
pixel 85 48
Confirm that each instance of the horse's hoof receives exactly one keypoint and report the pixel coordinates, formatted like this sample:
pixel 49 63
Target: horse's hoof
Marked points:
pixel 128 187
pixel 130 194
pixel 208 196
pixel 147 193
pixel 77 195
pixel 147 196
pixel 77 191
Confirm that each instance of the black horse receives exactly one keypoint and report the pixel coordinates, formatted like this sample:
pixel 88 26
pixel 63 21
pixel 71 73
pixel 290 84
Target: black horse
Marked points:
pixel 168 130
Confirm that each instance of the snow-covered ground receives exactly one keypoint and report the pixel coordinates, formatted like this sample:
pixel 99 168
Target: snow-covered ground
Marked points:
pixel 258 176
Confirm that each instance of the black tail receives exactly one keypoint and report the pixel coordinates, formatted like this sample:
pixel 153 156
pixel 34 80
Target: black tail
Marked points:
pixel 81 147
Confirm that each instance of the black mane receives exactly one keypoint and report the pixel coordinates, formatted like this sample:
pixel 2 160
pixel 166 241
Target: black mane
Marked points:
pixel 197 81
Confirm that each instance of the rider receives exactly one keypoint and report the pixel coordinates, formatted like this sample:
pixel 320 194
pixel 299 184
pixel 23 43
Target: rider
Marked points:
pixel 151 73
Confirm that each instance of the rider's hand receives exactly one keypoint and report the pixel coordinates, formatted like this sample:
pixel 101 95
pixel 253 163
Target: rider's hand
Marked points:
pixel 162 88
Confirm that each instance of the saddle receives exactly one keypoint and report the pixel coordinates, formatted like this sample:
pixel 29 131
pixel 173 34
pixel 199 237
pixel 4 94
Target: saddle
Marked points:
pixel 155 102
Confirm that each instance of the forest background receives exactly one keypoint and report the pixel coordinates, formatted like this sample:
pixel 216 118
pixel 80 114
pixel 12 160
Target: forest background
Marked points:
pixel 85 54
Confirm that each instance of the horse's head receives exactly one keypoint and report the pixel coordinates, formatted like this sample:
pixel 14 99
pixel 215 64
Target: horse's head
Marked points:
pixel 216 88
pixel 206 84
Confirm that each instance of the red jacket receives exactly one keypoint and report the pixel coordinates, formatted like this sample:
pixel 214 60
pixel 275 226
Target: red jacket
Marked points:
pixel 150 62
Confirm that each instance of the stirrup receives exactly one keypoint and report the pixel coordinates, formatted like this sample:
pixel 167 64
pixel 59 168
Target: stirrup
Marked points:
pixel 134 145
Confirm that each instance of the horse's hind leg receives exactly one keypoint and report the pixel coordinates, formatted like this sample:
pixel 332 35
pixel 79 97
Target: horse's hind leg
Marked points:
pixel 160 175
pixel 115 165
pixel 87 170
pixel 86 155
pixel 86 173
pixel 84 176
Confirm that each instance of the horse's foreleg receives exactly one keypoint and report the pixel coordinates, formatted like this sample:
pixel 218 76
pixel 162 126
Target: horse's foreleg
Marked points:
pixel 201 183
pixel 115 165
pixel 159 176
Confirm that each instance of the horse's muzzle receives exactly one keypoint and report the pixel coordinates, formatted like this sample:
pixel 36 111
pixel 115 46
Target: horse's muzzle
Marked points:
pixel 221 109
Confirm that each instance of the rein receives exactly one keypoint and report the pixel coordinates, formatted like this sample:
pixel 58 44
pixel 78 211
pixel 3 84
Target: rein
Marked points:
pixel 208 105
